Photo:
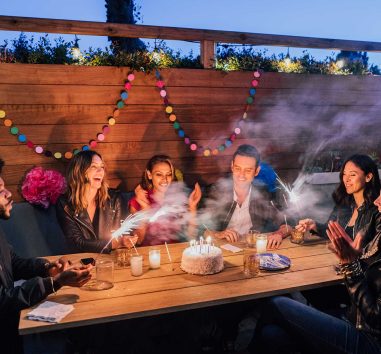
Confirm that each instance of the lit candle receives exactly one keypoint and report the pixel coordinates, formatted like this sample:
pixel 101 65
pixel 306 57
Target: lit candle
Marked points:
pixel 154 259
pixel 261 243
pixel 136 262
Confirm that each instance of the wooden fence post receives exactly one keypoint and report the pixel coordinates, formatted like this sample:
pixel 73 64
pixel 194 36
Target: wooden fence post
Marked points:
pixel 208 54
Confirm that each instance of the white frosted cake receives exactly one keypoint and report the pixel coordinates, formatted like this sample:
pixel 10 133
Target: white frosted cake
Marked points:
pixel 204 260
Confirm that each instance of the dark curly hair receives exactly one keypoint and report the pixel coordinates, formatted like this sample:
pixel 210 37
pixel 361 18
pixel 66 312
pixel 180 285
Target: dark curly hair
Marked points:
pixel 372 188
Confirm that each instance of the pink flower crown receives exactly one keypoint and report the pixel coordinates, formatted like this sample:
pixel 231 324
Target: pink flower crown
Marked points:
pixel 43 187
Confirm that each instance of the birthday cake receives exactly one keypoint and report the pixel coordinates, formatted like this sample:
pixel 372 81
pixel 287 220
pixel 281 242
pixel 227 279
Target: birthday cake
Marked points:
pixel 202 260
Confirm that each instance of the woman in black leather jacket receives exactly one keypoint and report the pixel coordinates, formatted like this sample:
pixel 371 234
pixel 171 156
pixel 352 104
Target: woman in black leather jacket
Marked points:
pixel 90 210
pixel 295 326
pixel 354 209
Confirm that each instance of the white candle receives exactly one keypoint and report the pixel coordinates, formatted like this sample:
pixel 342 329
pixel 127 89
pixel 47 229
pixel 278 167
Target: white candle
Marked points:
pixel 209 242
pixel 136 265
pixel 154 259
pixel 261 243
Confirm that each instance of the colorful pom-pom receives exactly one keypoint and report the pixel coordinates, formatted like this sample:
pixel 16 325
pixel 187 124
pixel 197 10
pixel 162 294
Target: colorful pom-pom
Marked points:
pixel 8 122
pixel 252 91
pixel 127 85
pixel 257 74
pixel 237 131
pixel 106 129
pixel 193 147
pixel 221 148
pixel 48 153
pixel 163 93
pixel 116 113
pixel 160 84
pixel 68 155
pixel 250 100
pixel 2 113
pixel 111 121
pixel 29 144
pixel 176 125
pixel 168 109
pixel 120 104
pixel 172 117
pixel 228 143
pixel 14 130
pixel 187 141
pixel 215 152
pixel 207 152
pixel 93 144
pixel 181 133
pixel 254 83
pixel 76 151
pixel 131 77
pixel 85 148
pixel 39 149
pixel 21 138
pixel 57 155
pixel 124 95
pixel 100 137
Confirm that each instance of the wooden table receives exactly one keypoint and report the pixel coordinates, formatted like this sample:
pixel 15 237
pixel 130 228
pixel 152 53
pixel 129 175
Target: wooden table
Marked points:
pixel 165 290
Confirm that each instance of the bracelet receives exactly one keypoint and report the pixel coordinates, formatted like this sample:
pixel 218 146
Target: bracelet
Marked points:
pixel 52 282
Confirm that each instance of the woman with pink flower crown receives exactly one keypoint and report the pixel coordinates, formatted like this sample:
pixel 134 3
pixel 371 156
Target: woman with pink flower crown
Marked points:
pixel 90 210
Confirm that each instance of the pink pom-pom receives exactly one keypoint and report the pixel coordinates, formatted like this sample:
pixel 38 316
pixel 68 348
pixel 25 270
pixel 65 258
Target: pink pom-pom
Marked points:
pixel 131 77
pixel 43 187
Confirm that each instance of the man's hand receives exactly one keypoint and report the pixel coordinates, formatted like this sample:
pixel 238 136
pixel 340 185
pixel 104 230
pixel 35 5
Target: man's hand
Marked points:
pixel 229 234
pixel 342 245
pixel 274 240
pixel 58 266
pixel 76 276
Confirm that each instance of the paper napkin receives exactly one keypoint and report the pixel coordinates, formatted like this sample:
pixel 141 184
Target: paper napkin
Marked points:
pixel 229 247
pixel 50 311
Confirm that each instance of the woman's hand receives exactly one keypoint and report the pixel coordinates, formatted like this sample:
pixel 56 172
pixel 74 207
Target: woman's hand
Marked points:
pixel 342 245
pixel 306 225
pixel 141 196
pixel 194 197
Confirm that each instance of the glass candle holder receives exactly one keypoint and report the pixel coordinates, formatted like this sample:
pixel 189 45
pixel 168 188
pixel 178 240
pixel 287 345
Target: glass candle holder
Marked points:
pixel 261 243
pixel 136 262
pixel 154 258
pixel 104 274
pixel 251 238
pixel 250 262
pixel 123 257
pixel 297 236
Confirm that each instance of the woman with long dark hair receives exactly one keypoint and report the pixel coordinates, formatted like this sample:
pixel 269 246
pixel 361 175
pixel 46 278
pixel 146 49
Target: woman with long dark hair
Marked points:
pixel 157 179
pixel 354 209
pixel 90 209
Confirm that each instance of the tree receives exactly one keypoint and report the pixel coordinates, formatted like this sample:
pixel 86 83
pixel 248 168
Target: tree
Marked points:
pixel 123 11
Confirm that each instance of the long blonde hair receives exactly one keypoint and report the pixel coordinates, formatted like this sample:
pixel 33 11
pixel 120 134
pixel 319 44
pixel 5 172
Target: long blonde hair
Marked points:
pixel 78 182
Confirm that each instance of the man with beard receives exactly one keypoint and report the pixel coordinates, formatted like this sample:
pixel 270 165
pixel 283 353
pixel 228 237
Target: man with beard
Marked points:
pixel 239 206
pixel 42 279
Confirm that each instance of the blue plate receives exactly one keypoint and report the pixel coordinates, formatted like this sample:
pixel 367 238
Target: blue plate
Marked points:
pixel 273 261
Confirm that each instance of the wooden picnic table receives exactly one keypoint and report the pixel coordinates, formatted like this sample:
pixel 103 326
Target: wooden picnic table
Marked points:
pixel 169 289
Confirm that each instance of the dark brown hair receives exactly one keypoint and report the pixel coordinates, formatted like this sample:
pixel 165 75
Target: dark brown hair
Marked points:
pixel 146 183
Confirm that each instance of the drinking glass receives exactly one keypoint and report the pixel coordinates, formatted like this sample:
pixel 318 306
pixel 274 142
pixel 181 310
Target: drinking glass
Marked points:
pixel 250 262
pixel 104 274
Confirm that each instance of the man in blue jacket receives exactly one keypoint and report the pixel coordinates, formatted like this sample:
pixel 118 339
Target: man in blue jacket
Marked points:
pixel 42 279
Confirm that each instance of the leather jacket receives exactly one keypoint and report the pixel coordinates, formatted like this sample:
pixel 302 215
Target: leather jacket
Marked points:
pixel 364 286
pixel 78 229
pixel 368 221
pixel 221 205
pixel 13 299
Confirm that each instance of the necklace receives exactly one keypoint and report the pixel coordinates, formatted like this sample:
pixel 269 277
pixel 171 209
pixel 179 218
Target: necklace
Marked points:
pixel 193 145
pixel 100 136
